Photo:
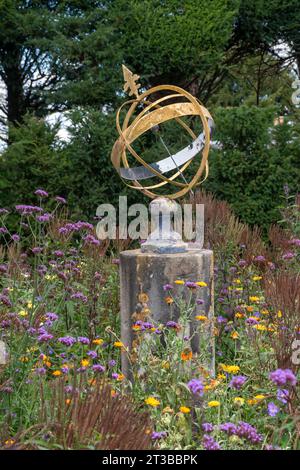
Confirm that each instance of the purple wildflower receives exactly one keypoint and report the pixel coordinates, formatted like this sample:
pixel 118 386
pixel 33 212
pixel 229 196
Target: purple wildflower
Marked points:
pixel 79 296
pixel 248 432
pixel 40 371
pixel 60 199
pixel 44 218
pixel 283 376
pixel 91 240
pixel 191 285
pixel 207 427
pixel 228 428
pixel 209 443
pixel 172 324
pixel 283 395
pixel 272 409
pixel 98 368
pixel 36 250
pixel 51 316
pixel 41 193
pixel 83 340
pixel 167 287
pixel 288 255
pixel 196 386
pixel 44 337
pixel 238 381
pixel 92 354
pixel 28 210
pixel 199 301
pixel 15 237
pixel 67 340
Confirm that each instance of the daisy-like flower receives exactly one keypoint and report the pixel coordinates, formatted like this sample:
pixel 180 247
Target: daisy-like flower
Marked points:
pixel 185 409
pixel 213 404
pixel 151 401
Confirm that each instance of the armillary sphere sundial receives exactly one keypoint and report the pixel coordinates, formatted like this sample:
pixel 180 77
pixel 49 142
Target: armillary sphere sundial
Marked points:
pixel 174 103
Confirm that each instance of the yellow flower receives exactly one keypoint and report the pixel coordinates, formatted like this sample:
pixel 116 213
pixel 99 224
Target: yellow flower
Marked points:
pixel 85 362
pixel 113 393
pixel 68 401
pixel 120 377
pixel 179 282
pixel 239 400
pixel 152 401
pixel 98 341
pixel 9 442
pixel 201 317
pixel 57 373
pixel 118 344
pixel 260 327
pixel 169 300
pixel 254 298
pixel 213 404
pixel 257 278
pixel 234 335
pixel 249 308
pixel 24 359
pixel 201 284
pixel 237 281
pixel 259 397
pixel 29 304
pixel 221 377
pixel 239 315
pixel 230 369
pixel 23 313
pixel 264 312
pixel 184 409
pixel 279 314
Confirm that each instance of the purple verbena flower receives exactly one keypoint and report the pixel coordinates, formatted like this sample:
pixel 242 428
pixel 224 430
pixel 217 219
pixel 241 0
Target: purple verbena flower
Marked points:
pixel 196 386
pixel 207 427
pixel 238 381
pixel 282 377
pixel 67 340
pixel 209 443
pixel 167 287
pixel 98 368
pixel 158 435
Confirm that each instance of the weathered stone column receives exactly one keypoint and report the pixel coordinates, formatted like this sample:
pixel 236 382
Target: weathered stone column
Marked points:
pixel 147 273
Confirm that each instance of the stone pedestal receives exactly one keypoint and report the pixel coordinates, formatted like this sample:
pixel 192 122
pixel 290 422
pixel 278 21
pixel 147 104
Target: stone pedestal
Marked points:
pixel 147 273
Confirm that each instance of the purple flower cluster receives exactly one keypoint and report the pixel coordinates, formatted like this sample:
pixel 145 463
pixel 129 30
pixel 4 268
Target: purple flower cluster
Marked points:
pixel 79 296
pixel 243 430
pixel 67 340
pixel 207 427
pixel 196 386
pixel 41 193
pixel 75 227
pixel 91 240
pixel 167 287
pixel 83 340
pixel 172 324
pixel 282 377
pixel 209 443
pixel 238 381
pixel 28 210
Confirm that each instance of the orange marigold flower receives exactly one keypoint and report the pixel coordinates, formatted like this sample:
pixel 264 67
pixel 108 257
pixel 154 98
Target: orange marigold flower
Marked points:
pixel 186 355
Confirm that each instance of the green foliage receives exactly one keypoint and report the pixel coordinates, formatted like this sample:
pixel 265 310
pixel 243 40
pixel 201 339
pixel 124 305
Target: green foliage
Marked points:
pixel 256 161
pixel 33 160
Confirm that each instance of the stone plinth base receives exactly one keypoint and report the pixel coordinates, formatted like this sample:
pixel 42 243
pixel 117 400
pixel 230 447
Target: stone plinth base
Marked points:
pixel 147 273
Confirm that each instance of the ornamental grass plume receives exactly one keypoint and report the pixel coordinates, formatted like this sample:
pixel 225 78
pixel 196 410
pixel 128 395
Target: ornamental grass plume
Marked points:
pixel 80 416
pixel 282 294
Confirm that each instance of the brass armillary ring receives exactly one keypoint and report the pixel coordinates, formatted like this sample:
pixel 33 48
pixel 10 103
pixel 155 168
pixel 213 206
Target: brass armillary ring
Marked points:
pixel 153 114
